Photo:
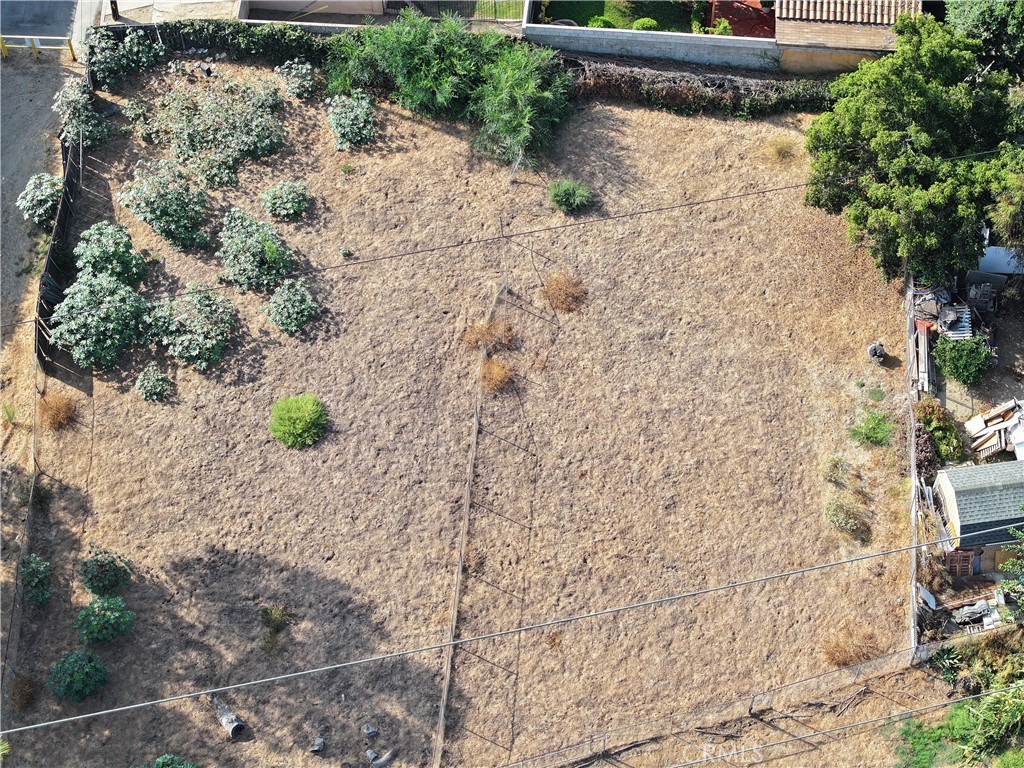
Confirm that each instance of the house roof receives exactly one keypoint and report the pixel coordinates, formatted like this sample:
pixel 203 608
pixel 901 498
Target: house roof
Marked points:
pixel 987 495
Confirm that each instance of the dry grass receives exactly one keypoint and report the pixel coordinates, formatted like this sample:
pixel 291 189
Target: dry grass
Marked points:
pixel 849 645
pixel 23 693
pixel 782 149
pixel 564 292
pixel 495 375
pixel 57 410
pixel 496 334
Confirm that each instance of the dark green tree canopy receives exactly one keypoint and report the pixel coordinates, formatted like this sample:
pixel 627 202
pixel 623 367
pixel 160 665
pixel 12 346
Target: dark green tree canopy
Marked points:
pixel 883 153
pixel 997 24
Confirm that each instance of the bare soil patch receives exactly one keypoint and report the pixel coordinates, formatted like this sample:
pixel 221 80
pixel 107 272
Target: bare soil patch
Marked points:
pixel 665 437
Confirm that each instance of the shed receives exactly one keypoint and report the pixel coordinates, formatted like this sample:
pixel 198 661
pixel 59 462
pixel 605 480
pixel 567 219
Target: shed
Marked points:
pixel 981 497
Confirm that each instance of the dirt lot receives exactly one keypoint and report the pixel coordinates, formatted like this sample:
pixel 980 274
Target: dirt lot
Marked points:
pixel 665 438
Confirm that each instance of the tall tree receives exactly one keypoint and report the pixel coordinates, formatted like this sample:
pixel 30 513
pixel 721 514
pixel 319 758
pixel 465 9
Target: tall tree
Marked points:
pixel 997 24
pixel 890 153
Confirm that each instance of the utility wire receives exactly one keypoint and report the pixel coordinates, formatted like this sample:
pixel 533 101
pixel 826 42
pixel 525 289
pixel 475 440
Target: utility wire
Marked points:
pixel 840 728
pixel 502 633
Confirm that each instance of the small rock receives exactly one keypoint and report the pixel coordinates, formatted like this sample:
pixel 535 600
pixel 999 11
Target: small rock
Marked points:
pixel 371 755
pixel 369 731
pixel 317 745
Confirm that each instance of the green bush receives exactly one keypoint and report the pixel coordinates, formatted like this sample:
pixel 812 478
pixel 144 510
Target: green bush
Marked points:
pixel 106 248
pixel 1014 758
pixel 286 200
pixel 351 120
pixel 964 360
pixel 601 22
pixel 570 196
pixel 523 97
pixel 291 307
pixel 105 619
pixel 168 761
pixel 104 571
pixel 78 120
pixel 111 62
pixel 152 385
pixel 40 198
pixel 35 579
pixel 298 421
pixel 720 27
pixel 874 429
pixel 941 429
pixel 997 718
pixel 254 256
pixel 163 196
pixel 645 25
pixel 299 78
pixel 99 318
pixel 77 675
pixel 195 327
pixel 213 131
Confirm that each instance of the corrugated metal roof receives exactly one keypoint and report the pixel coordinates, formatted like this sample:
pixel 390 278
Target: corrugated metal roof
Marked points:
pixel 856 11
pixel 987 495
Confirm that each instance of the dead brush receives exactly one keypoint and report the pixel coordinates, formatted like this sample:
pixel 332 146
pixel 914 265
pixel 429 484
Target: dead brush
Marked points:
pixel 564 292
pixel 57 410
pixel 492 335
pixel 23 693
pixel 846 646
pixel 781 149
pixel 495 375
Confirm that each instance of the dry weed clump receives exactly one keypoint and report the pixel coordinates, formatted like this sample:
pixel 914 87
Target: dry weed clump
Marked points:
pixel 23 693
pixel 781 148
pixel 495 334
pixel 564 292
pixel 57 410
pixel 495 375
pixel 846 646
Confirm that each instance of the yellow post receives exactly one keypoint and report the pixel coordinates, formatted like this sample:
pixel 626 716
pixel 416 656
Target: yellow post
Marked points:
pixel 72 49
pixel 35 51
pixel 3 48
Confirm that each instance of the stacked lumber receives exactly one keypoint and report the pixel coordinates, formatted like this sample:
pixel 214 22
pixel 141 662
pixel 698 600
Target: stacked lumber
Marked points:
pixel 990 432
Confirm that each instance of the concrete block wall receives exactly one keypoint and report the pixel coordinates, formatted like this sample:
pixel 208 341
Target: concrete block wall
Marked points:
pixel 715 50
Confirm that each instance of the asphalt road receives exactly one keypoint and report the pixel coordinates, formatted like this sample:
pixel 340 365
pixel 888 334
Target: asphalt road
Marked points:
pixel 43 18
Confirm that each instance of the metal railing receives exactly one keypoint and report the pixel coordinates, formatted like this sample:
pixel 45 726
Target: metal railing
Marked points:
pixel 35 45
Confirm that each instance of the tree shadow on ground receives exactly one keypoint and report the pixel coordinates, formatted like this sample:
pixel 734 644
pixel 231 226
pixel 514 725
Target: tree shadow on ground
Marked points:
pixel 198 625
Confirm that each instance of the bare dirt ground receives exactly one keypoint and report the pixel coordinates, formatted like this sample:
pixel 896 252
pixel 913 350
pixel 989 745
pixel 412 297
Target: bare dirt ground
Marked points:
pixel 665 438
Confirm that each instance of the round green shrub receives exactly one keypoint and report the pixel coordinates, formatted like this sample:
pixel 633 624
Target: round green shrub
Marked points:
pixel 79 121
pixel 298 421
pixel 105 619
pixel 286 200
pixel 163 196
pixel 843 514
pixel 153 385
pixel 40 198
pixel 99 318
pixel 570 196
pixel 254 256
pixel 601 22
pixel 106 248
pixel 1014 758
pixel 111 60
pixel 195 327
pixel 645 25
pixel 964 360
pixel 77 675
pixel 291 306
pixel 103 571
pixel 35 579
pixel 351 119
pixel 299 78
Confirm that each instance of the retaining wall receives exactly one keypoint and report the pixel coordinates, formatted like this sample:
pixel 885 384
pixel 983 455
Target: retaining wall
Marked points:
pixel 715 50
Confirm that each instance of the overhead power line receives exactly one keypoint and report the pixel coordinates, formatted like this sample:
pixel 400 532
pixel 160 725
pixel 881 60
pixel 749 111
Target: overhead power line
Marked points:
pixel 503 633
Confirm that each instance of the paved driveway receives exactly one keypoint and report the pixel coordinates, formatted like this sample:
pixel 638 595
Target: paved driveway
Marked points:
pixel 36 19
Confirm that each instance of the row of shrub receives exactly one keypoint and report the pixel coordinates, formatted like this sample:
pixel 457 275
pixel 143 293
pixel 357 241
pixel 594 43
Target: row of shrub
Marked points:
pixel 80 674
